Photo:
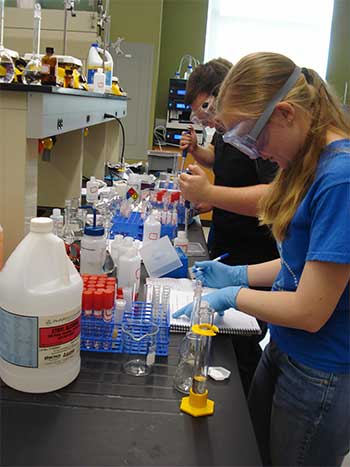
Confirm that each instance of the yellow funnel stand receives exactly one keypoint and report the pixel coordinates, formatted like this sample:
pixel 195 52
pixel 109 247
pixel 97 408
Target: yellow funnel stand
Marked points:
pixel 197 405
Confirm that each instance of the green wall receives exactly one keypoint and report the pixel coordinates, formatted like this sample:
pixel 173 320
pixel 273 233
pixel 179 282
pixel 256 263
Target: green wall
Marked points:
pixel 183 32
pixel 140 21
pixel 338 70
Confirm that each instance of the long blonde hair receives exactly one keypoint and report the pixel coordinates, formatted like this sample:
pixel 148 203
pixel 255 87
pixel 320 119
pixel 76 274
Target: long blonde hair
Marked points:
pixel 246 91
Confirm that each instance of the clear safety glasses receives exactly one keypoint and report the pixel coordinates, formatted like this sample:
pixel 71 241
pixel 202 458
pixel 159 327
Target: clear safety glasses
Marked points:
pixel 246 135
pixel 205 114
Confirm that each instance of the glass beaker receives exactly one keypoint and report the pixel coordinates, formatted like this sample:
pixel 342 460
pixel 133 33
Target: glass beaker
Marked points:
pixel 139 342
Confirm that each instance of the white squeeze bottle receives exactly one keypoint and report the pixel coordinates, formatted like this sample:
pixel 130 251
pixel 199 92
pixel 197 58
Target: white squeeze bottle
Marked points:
pixel 57 220
pixel 181 241
pixel 40 306
pixel 151 228
pixel 92 190
pixel 129 269
pixel 116 246
pixel 99 81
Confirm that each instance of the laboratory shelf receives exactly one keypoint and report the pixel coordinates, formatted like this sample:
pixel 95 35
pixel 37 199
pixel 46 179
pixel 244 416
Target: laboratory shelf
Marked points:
pixel 52 110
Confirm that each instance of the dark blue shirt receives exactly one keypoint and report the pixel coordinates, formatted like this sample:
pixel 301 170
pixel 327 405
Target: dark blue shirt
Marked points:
pixel 320 231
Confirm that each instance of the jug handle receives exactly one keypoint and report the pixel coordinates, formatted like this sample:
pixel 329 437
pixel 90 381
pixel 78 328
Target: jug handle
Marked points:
pixel 63 261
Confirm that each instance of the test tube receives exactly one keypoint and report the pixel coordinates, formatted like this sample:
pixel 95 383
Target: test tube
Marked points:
pixel 148 293
pixel 197 297
pixel 155 303
pixel 165 302
pixel 87 302
pixel 120 306
pixel 108 304
pixel 98 303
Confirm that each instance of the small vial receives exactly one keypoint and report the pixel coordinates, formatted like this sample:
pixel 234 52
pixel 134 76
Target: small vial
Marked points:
pixel 108 305
pixel 120 306
pixel 98 303
pixel 87 303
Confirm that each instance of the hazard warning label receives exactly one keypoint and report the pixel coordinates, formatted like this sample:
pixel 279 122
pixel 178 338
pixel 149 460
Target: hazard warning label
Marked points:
pixel 58 335
pixel 59 338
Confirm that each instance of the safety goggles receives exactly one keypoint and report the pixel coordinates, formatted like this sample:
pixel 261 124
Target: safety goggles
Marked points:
pixel 247 134
pixel 205 114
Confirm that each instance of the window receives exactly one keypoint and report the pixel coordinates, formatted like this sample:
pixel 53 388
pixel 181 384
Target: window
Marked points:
pixel 299 29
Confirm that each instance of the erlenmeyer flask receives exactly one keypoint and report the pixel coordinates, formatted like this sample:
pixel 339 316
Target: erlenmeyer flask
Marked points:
pixel 32 72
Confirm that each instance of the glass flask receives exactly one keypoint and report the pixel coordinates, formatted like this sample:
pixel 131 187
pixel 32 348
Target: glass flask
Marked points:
pixel 7 68
pixel 32 71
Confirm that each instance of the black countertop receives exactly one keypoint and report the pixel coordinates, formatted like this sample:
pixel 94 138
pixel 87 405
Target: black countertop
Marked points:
pixel 108 418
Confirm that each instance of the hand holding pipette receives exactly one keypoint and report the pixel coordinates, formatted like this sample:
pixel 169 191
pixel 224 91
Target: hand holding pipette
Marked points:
pixel 184 150
pixel 218 275
pixel 188 143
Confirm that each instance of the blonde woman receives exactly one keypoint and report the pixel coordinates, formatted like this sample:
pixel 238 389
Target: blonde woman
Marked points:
pixel 300 395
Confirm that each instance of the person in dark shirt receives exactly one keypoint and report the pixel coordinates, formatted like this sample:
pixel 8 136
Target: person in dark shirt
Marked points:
pixel 239 185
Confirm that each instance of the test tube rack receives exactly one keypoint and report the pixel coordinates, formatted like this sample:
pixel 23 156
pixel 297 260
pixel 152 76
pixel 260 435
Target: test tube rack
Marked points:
pixel 100 336
pixel 132 226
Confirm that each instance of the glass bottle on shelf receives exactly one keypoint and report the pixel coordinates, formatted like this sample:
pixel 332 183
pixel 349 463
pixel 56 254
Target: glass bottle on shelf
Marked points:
pixel 32 71
pixel 73 230
pixel 49 67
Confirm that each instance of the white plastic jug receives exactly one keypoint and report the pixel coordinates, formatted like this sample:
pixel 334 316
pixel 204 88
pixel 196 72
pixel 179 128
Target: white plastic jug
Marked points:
pixel 40 306
pixel 95 61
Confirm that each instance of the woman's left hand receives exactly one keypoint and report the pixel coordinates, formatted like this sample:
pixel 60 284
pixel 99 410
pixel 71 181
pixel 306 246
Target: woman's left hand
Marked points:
pixel 195 187
pixel 220 300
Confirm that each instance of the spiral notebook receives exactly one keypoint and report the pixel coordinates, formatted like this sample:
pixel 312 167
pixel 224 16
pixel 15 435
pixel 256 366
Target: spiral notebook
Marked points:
pixel 181 293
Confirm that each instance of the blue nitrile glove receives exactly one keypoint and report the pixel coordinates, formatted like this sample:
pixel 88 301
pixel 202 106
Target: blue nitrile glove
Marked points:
pixel 220 300
pixel 218 275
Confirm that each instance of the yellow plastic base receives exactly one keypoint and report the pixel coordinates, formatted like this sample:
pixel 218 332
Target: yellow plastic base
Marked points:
pixel 197 405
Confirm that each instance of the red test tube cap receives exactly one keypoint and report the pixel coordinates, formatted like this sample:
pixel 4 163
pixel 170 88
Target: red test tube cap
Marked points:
pixel 98 300
pixel 87 300
pixel 175 197
pixel 108 299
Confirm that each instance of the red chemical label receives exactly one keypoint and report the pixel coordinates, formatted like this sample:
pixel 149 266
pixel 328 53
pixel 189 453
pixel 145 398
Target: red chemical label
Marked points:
pixel 58 335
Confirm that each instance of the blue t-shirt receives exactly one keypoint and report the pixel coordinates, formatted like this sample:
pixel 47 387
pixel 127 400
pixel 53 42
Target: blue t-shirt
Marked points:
pixel 320 231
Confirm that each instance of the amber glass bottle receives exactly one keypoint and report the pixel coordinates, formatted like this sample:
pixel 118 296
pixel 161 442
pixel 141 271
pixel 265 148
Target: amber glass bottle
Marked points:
pixel 49 67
